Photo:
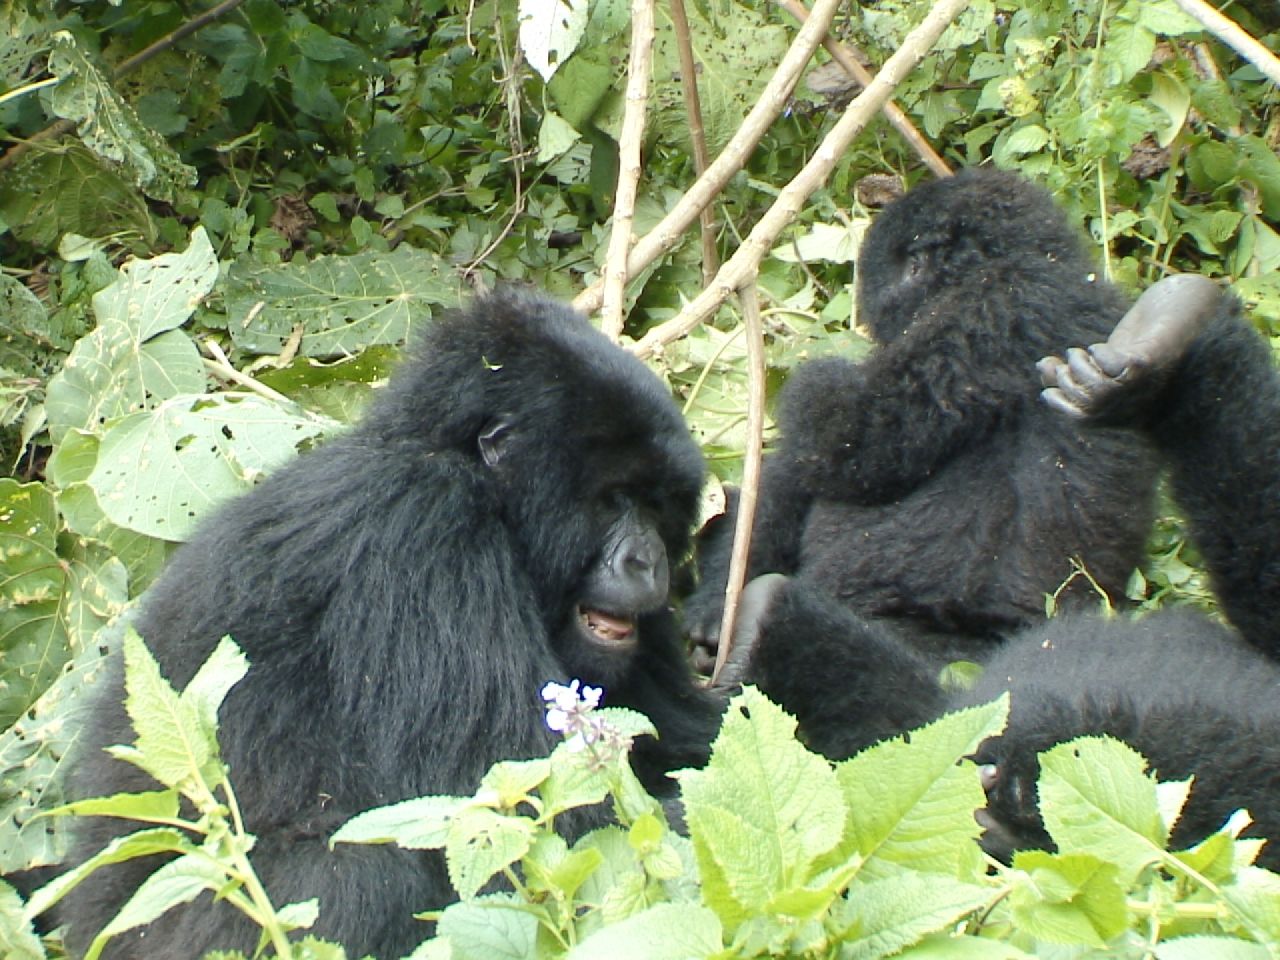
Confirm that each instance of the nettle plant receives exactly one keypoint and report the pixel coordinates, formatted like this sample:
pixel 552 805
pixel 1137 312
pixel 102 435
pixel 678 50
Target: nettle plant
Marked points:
pixel 780 854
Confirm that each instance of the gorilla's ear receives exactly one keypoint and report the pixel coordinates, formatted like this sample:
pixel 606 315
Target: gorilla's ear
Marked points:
pixel 494 437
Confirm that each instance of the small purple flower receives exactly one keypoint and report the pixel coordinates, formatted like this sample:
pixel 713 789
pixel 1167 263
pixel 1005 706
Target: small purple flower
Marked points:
pixel 569 712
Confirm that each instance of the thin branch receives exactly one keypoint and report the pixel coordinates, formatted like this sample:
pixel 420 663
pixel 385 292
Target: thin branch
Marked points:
pixel 697 134
pixel 218 364
pixel 639 68
pixel 55 130
pixel 750 470
pixel 1234 36
pixel 707 187
pixel 760 240
pixel 842 55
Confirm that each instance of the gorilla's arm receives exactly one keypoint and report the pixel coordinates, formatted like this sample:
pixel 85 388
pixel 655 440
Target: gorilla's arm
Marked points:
pixel 1186 366
pixel 849 681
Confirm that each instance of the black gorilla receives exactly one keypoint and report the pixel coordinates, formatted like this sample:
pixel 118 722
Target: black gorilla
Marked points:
pixel 1193 695
pixel 502 517
pixel 927 487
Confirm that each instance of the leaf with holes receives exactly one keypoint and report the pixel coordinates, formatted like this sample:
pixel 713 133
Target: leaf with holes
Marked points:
pixel 160 471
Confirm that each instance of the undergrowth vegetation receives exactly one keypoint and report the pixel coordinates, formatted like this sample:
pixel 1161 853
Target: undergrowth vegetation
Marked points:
pixel 219 222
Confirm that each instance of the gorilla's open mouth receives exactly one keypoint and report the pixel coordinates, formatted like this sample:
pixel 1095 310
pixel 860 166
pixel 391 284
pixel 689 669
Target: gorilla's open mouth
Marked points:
pixel 609 630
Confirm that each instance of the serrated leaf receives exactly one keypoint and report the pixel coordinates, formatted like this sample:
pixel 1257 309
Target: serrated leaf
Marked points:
pixel 881 918
pixel 480 843
pixel 944 947
pixel 147 805
pixel 171 744
pixel 1096 797
pixel 762 810
pixel 489 928
pixel 341 305
pixel 1072 899
pixel 419 824
pixel 911 804
pixel 159 472
pixel 666 931
pixel 223 669
pixel 1255 900
pixel 1127 47
pixel 143 843
pixel 173 884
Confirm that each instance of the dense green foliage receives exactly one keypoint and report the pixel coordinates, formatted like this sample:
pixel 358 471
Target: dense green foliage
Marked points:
pixel 211 252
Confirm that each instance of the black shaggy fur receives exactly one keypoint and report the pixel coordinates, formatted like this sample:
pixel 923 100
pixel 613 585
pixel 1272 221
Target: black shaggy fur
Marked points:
pixel 402 594
pixel 1195 696
pixel 927 487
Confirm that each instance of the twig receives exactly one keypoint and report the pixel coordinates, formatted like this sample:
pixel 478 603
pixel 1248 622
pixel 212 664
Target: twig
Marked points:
pixel 639 68
pixel 760 240
pixel 17 151
pixel 1234 36
pixel 842 55
pixel 697 134
pixel 750 470
pixel 221 367
pixel 707 187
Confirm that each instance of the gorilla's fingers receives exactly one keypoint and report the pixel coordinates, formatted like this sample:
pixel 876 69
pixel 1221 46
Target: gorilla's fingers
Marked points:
pixel 1055 398
pixel 753 610
pixel 1085 375
pixel 1048 368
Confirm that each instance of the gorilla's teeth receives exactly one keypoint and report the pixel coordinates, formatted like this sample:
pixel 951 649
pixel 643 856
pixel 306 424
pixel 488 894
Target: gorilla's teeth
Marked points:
pixel 607 628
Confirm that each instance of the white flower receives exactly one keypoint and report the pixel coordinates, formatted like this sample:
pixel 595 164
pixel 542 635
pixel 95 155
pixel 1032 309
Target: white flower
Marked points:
pixel 568 709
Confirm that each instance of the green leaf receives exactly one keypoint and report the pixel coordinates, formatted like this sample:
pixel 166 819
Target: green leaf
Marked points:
pixel 1026 139
pixel 224 668
pixel 761 812
pixel 109 126
pixel 176 882
pixel 666 931
pixel 1255 900
pixel 1128 47
pixel 18 941
pixel 480 843
pixel 1211 948
pixel 1097 798
pixel 1170 95
pixel 514 780
pixel 340 305
pixel 555 136
pixel 419 824
pixel 143 843
pixel 881 918
pixel 135 359
pixel 910 804
pixel 944 947
pixel 159 472
pixel 172 745
pixel 1072 899
pixel 550 30
pixel 489 928
pixel 147 805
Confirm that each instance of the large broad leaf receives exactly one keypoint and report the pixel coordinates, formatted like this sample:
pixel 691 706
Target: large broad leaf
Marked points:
pixel 879 919
pixel 49 606
pixel 490 928
pixel 550 30
pixel 135 358
pixel 666 931
pixel 335 306
pixel 108 125
pixel 911 803
pixel 762 811
pixel 159 472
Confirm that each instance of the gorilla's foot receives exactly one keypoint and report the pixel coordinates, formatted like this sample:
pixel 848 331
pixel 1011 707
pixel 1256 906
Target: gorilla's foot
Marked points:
pixel 1146 344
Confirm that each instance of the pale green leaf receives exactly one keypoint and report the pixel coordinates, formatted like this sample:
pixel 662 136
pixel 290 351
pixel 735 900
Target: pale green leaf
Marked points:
pixel 174 883
pixel 419 824
pixel 1211 948
pixel 481 843
pixel 171 745
pixel 223 669
pixel 147 805
pixel 159 472
pixel 18 940
pixel 911 804
pixel 550 30
pixel 555 136
pixel 666 931
pixel 489 928
pixel 160 294
pixel 881 918
pixel 1171 96
pixel 338 305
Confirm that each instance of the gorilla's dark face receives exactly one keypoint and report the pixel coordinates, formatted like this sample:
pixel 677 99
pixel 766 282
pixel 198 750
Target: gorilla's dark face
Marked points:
pixel 598 480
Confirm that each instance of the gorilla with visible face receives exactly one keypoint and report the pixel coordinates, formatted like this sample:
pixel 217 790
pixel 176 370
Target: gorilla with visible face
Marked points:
pixel 926 488
pixel 505 515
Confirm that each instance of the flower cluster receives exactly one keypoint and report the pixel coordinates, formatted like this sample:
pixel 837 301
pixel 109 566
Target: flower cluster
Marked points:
pixel 569 711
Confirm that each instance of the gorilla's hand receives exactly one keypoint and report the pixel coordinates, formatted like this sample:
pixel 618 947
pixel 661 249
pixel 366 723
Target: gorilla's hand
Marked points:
pixel 1108 380
pixel 753 611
